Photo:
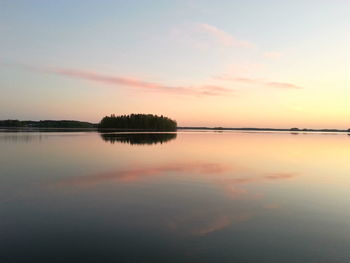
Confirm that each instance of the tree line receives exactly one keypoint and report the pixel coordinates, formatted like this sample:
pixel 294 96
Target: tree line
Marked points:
pixel 46 124
pixel 11 123
pixel 139 122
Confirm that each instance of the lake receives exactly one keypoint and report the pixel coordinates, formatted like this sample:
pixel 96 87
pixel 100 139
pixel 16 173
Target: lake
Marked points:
pixel 194 196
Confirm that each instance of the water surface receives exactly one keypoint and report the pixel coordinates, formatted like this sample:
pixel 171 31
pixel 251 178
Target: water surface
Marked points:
pixel 185 197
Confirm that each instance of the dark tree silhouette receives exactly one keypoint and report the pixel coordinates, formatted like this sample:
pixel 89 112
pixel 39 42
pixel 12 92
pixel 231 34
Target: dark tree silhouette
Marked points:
pixel 62 124
pixel 138 122
pixel 46 124
pixel 11 123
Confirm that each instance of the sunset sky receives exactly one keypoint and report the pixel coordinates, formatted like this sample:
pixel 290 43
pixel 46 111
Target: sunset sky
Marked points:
pixel 251 63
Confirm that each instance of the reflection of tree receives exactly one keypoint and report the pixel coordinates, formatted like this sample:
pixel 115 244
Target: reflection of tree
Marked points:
pixel 20 138
pixel 138 138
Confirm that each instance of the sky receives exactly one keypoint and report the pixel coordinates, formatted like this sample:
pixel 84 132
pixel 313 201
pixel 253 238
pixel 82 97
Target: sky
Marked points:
pixel 251 63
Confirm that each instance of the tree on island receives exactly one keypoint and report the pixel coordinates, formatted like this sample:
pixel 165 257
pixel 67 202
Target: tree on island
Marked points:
pixel 138 122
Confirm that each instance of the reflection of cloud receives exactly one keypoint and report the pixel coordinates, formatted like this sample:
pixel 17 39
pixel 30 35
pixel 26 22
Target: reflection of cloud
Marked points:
pixel 278 176
pixel 196 222
pixel 202 223
pixel 206 222
pixel 234 192
pixel 218 224
pixel 136 174
pixel 268 177
pixel 272 206
pixel 201 90
pixel 231 184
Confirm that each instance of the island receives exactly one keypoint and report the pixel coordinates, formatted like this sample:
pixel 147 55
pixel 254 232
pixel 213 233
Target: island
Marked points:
pixel 146 122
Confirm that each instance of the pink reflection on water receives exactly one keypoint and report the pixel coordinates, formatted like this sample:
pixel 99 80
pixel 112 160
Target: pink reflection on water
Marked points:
pixel 137 174
pixel 231 179
pixel 227 177
pixel 204 222
pixel 234 189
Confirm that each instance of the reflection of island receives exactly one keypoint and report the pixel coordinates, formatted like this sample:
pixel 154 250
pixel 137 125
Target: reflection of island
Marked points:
pixel 138 138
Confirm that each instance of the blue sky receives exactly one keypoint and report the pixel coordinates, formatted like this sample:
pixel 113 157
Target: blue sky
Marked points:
pixel 229 63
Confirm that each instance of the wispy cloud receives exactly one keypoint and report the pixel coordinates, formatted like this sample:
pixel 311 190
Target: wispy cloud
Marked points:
pixel 272 55
pixel 204 36
pixel 121 81
pixel 259 82
pixel 223 37
pixel 283 85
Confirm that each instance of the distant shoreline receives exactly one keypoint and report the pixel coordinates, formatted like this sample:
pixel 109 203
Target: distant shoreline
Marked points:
pixel 296 130
pixel 293 130
pixel 126 121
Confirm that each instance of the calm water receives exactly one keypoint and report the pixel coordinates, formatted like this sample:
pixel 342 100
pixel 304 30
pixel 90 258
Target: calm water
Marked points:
pixel 186 197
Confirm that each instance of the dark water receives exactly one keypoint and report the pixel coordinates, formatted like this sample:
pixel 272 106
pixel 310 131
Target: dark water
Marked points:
pixel 186 197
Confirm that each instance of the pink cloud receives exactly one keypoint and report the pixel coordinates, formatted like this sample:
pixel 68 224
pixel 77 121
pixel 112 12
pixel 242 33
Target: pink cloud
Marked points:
pixel 272 55
pixel 223 37
pixel 283 85
pixel 203 36
pixel 200 90
pixel 260 82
